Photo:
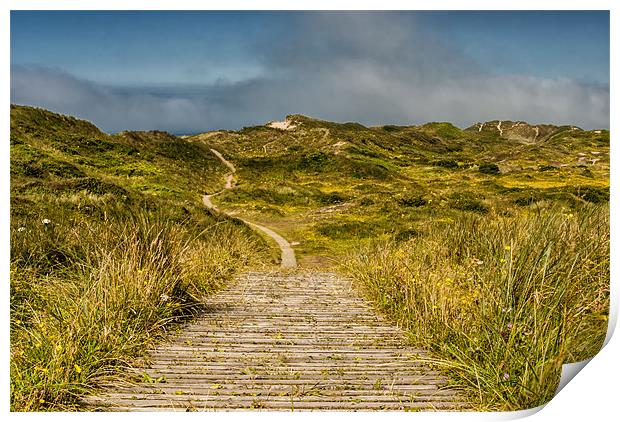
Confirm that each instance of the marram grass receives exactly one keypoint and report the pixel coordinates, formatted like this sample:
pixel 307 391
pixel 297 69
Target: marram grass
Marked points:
pixel 502 302
pixel 90 294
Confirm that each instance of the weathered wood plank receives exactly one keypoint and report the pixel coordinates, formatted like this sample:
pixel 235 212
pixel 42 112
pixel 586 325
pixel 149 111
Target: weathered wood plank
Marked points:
pixel 308 379
pixel 188 405
pixel 283 342
pixel 326 390
pixel 272 398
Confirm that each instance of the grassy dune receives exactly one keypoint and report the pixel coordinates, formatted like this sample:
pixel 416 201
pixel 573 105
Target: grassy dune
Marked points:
pixel 502 302
pixel 333 187
pixel 491 249
pixel 110 245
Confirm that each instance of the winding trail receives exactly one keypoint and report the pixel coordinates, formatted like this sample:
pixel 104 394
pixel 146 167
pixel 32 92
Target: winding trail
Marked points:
pixel 499 128
pixel 288 259
pixel 282 340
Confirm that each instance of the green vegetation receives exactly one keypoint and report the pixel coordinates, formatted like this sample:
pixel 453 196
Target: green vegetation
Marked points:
pixel 322 183
pixel 491 248
pixel 489 168
pixel 501 309
pixel 109 246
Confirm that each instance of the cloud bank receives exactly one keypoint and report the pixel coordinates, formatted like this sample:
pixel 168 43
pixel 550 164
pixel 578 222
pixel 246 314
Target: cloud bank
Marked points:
pixel 373 68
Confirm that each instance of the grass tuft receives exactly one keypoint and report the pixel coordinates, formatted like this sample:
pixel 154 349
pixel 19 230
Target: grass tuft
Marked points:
pixel 89 294
pixel 502 302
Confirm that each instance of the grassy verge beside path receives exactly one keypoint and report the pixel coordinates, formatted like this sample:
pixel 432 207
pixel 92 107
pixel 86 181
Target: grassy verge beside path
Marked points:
pixel 502 302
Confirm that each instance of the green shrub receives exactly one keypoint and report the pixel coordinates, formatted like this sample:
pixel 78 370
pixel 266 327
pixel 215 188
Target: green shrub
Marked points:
pixel 525 200
pixel 489 168
pixel 314 160
pixel 332 198
pixel 449 164
pixel 412 201
pixel 467 202
pixel 592 194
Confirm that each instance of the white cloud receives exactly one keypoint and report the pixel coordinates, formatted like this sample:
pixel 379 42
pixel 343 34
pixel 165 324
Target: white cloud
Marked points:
pixel 371 68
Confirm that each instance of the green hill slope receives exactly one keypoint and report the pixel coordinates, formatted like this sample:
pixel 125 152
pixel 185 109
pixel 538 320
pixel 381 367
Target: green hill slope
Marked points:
pixel 109 244
pixel 489 244
pixel 447 230
pixel 330 185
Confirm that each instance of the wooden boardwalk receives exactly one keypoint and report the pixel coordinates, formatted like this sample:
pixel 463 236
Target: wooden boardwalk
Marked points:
pixel 278 341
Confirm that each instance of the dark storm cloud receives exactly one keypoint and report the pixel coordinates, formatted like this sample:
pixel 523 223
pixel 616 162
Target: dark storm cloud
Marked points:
pixel 368 67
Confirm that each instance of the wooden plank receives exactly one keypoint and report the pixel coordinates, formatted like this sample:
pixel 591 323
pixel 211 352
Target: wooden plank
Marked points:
pixel 233 340
pixel 301 365
pixel 279 342
pixel 194 378
pixel 233 389
pixel 286 405
pixel 311 396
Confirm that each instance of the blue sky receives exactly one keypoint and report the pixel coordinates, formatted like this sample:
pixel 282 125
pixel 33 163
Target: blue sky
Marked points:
pixel 192 71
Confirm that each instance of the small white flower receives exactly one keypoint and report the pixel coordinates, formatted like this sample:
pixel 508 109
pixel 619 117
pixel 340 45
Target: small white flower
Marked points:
pixel 46 221
pixel 164 297
pixel 479 262
pixel 21 229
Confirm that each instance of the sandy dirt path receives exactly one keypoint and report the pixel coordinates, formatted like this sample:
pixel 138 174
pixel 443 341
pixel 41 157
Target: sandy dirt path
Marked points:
pixel 288 259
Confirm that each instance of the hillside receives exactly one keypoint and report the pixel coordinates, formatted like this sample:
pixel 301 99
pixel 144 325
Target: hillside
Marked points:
pixel 50 152
pixel 458 236
pixel 520 131
pixel 110 244
pixel 67 166
pixel 490 245
pixel 329 185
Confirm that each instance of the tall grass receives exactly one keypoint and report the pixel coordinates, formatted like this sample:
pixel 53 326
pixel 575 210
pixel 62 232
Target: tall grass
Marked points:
pixel 88 294
pixel 501 302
